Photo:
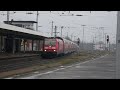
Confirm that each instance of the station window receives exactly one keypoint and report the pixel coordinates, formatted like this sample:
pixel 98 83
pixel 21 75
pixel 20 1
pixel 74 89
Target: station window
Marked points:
pixel 27 44
pixel 36 45
pixel 41 45
pixel 22 45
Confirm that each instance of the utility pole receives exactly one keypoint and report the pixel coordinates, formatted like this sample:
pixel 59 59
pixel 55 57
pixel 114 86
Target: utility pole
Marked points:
pixel 101 35
pixel 8 15
pixel 37 21
pixel 93 44
pixel 100 38
pixel 71 36
pixel 102 28
pixel 108 43
pixel 61 30
pixel 52 29
pixel 118 47
pixel 105 41
pixel 67 34
pixel 74 38
pixel 83 37
pixel 55 31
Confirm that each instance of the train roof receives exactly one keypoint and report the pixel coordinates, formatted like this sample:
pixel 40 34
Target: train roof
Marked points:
pixel 55 37
pixel 62 39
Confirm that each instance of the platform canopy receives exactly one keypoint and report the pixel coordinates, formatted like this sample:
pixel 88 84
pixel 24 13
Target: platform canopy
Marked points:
pixel 22 32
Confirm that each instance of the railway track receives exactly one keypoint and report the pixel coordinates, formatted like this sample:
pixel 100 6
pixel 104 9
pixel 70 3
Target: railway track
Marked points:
pixel 19 63
pixel 28 64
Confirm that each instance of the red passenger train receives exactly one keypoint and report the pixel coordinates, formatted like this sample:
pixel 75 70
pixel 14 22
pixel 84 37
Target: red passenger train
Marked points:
pixel 58 46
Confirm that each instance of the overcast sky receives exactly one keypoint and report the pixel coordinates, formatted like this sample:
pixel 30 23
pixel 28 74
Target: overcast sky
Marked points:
pixel 72 24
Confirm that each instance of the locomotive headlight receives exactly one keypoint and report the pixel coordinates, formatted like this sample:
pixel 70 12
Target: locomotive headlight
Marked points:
pixel 54 50
pixel 45 50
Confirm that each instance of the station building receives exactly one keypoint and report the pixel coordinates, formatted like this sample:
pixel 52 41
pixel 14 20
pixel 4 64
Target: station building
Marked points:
pixel 23 24
pixel 15 39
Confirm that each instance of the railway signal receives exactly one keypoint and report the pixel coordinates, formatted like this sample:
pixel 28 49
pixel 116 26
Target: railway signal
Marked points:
pixel 107 38
pixel 78 42
pixel 108 43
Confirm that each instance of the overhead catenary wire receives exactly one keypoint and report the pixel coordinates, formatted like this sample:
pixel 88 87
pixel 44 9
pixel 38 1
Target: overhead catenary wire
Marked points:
pixel 59 20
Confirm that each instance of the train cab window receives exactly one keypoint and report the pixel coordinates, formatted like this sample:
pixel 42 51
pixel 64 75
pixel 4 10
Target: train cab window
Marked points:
pixel 50 42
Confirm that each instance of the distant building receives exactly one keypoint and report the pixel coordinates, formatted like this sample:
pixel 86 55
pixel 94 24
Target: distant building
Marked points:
pixel 98 46
pixel 23 24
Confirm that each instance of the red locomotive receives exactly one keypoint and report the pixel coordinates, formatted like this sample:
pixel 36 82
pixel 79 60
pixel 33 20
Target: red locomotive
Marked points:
pixel 58 46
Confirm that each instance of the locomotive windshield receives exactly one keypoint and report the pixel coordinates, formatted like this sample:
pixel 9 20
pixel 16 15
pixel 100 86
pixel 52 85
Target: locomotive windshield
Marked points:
pixel 50 42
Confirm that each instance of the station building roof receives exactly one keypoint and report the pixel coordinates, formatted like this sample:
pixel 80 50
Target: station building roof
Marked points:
pixel 11 28
pixel 22 21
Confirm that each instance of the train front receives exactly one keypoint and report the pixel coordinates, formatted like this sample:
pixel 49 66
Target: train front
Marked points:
pixel 50 48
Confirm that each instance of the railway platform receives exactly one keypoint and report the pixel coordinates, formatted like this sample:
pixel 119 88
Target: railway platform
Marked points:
pixel 6 56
